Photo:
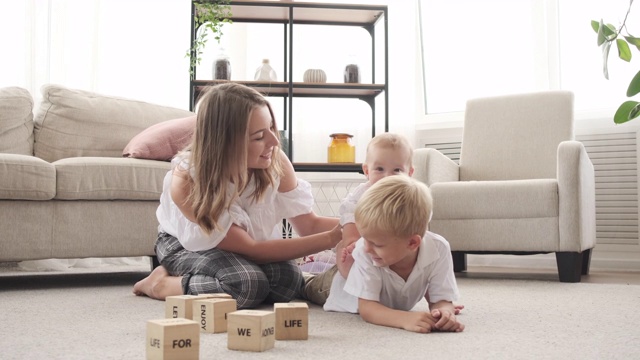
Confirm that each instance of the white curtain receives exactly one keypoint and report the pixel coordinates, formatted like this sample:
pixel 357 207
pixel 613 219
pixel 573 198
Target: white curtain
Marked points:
pixel 127 48
pixel 495 47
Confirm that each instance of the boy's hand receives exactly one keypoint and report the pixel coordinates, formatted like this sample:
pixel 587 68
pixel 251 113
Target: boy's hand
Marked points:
pixel 458 308
pixel 446 321
pixel 419 321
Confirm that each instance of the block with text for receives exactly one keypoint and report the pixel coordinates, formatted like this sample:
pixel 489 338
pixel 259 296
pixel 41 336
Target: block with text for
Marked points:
pixel 251 330
pixel 169 339
pixel 211 313
pixel 181 306
pixel 292 321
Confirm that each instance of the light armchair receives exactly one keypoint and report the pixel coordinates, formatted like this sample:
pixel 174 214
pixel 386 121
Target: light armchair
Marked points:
pixel 522 186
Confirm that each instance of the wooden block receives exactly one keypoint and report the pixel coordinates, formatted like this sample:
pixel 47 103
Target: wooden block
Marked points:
pixel 292 321
pixel 214 296
pixel 169 339
pixel 251 330
pixel 211 313
pixel 179 306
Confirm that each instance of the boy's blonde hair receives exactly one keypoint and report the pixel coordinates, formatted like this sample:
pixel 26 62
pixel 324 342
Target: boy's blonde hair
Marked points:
pixel 390 141
pixel 398 206
pixel 219 151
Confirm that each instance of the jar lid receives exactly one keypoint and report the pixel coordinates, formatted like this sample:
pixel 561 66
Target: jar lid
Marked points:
pixel 340 135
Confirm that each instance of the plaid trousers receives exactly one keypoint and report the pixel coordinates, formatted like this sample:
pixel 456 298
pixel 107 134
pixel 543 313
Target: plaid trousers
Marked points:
pixel 218 271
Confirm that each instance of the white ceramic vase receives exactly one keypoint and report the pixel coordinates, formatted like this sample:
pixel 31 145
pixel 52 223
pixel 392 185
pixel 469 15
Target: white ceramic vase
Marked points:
pixel 314 76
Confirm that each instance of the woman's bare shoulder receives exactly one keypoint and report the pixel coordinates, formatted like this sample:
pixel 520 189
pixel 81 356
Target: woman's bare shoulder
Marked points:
pixel 288 181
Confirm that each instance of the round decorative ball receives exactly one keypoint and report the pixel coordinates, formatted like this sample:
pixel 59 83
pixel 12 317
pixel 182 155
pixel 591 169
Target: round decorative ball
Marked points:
pixel 314 76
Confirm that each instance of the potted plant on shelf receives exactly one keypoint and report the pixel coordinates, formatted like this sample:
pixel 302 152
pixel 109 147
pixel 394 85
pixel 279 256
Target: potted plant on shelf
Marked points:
pixel 209 17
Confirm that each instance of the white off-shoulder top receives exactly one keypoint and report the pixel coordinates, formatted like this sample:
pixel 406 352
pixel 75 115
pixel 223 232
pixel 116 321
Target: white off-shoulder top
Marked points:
pixel 262 220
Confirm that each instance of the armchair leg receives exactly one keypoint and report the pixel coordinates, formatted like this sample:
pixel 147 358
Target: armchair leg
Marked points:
pixel 459 261
pixel 570 266
pixel 586 261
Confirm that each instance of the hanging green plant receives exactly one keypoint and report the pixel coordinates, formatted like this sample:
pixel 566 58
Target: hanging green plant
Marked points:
pixel 608 34
pixel 209 18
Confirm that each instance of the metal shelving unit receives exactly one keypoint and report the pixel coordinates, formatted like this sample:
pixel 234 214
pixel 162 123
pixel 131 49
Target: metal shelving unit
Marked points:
pixel 290 14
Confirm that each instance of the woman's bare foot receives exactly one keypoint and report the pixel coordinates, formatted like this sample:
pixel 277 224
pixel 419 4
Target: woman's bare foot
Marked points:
pixel 158 285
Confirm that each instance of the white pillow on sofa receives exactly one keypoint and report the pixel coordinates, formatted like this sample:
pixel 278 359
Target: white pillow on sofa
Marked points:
pixel 72 123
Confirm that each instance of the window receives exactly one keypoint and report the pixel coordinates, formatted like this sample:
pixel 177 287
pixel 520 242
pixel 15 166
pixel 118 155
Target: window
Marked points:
pixel 494 47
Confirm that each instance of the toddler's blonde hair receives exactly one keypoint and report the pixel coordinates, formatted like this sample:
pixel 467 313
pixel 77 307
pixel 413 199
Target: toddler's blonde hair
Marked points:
pixel 390 141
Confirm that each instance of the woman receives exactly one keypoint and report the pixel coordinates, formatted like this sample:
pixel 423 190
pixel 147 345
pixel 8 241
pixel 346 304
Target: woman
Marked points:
pixel 223 203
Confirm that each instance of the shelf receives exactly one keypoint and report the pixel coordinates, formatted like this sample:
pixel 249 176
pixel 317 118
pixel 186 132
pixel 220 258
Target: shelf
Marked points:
pixel 304 89
pixel 293 13
pixel 306 13
pixel 324 167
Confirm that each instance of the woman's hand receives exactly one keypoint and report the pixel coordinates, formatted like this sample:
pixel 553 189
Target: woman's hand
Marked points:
pixel 335 235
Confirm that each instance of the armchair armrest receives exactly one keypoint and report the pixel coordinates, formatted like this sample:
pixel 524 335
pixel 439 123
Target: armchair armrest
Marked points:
pixel 576 193
pixel 431 166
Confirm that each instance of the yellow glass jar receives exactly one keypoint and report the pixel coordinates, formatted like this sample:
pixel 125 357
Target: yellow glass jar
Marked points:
pixel 340 149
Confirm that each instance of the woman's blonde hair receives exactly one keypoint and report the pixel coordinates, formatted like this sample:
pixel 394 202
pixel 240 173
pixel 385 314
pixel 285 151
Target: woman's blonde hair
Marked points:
pixel 390 141
pixel 219 152
pixel 397 205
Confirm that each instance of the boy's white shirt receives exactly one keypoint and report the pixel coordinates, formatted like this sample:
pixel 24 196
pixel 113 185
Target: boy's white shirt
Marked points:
pixel 433 271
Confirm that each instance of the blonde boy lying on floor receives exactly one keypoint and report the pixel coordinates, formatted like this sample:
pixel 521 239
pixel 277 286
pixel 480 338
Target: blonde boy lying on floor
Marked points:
pixel 397 262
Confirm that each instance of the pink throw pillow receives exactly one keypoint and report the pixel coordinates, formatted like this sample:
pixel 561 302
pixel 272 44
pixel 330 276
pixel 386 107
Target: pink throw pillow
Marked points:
pixel 161 141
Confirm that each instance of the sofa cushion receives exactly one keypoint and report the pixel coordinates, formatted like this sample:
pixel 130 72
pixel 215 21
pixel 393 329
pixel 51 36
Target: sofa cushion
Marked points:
pixel 16 121
pixel 515 199
pixel 25 177
pixel 104 178
pixel 485 215
pixel 162 140
pixel 72 123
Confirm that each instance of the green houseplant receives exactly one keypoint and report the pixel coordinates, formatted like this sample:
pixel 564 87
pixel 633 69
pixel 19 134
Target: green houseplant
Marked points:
pixel 607 34
pixel 209 18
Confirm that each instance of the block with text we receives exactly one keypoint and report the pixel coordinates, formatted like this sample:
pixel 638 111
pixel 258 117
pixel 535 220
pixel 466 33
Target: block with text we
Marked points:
pixel 251 330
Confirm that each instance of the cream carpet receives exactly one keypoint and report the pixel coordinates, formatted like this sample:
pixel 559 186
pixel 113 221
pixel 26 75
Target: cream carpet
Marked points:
pixel 95 316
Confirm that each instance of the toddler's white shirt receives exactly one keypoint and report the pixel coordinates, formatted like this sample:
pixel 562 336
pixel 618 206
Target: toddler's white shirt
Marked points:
pixel 348 205
pixel 262 220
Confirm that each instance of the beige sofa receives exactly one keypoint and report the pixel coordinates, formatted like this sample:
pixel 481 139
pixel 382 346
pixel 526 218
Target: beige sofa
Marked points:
pixel 66 191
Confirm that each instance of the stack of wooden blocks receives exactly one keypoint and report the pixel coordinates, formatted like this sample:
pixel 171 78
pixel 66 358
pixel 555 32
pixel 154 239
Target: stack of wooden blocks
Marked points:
pixel 177 336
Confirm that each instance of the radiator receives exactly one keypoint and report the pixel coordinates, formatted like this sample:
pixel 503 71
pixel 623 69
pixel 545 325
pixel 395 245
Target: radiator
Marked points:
pixel 615 161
